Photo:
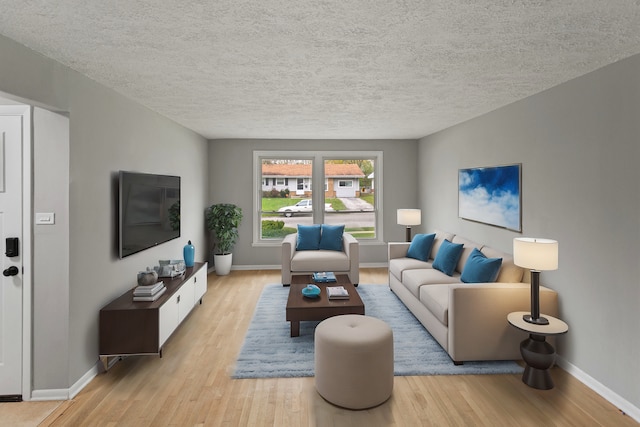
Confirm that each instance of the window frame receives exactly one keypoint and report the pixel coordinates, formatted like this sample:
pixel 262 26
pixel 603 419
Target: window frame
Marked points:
pixel 318 182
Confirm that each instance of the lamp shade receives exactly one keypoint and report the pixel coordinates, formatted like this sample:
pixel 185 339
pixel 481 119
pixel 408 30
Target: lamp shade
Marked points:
pixel 409 216
pixel 535 254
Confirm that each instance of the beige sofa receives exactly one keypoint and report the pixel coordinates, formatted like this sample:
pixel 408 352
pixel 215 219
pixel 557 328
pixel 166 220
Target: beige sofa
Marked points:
pixel 307 262
pixel 469 321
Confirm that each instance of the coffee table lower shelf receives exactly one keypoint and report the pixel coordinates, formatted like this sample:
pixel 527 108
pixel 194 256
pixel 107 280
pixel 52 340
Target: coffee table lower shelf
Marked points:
pixel 300 308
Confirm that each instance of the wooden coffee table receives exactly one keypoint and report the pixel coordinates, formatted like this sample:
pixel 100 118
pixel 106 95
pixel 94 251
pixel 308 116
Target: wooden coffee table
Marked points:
pixel 301 308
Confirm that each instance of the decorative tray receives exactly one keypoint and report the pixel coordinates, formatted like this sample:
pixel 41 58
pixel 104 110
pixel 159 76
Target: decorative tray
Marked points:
pixel 311 291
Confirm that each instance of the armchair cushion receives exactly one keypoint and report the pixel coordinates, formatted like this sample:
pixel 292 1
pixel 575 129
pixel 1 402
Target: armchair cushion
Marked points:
pixel 331 237
pixel 308 237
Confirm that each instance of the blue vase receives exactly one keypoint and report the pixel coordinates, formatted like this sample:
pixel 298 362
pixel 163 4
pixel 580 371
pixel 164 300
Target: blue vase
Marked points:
pixel 189 253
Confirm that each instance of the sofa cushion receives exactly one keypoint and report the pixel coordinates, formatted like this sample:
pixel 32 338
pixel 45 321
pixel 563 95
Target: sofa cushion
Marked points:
pixel 447 257
pixel 420 247
pixel 509 272
pixel 436 299
pixel 413 280
pixel 331 237
pixel 468 247
pixel 399 265
pixel 480 269
pixel 308 237
pixel 320 260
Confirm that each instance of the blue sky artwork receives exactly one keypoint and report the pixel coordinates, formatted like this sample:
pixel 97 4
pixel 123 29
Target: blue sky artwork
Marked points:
pixel 490 195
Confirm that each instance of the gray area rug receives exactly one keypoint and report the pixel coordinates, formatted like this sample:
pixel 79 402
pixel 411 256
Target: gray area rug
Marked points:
pixel 269 351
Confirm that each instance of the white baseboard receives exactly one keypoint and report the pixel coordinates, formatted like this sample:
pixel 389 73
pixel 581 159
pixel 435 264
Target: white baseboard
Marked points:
pixel 615 399
pixel 70 393
pixel 212 269
pixel 50 394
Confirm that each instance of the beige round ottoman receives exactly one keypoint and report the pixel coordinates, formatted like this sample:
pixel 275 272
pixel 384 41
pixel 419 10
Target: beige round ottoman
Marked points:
pixel 354 361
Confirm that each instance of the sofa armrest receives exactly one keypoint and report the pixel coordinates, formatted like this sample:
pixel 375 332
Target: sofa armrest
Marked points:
pixel 289 246
pixel 288 250
pixel 351 248
pixel 478 327
pixel 349 245
pixel 397 249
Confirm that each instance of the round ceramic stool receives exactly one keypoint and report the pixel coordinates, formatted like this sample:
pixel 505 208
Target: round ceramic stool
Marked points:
pixel 354 361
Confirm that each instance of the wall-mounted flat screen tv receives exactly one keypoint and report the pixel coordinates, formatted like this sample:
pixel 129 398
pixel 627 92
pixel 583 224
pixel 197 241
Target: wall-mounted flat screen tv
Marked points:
pixel 149 211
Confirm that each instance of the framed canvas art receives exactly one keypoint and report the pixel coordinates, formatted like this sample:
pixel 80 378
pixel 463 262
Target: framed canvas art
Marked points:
pixel 491 195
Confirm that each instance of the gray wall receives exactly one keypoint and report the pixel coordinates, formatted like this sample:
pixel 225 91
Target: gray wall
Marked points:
pixel 579 145
pixel 107 133
pixel 231 181
pixel 51 275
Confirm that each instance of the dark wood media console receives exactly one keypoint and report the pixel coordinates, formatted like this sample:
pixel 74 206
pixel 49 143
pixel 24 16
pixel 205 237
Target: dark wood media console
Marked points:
pixel 137 328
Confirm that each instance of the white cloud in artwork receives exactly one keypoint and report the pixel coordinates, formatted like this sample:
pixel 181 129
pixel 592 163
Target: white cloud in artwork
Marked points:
pixel 465 179
pixel 498 208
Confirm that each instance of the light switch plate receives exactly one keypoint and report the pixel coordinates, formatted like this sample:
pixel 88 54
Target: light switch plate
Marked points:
pixel 45 218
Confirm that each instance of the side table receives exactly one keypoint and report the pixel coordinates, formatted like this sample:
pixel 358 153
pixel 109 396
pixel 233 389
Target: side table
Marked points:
pixel 537 353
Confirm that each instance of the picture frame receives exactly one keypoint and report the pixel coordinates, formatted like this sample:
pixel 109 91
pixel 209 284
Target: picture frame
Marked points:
pixel 491 195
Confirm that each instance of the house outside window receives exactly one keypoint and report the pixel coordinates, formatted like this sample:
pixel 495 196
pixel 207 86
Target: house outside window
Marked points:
pixel 286 195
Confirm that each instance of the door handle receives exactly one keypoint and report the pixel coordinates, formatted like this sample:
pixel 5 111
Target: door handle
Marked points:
pixel 11 271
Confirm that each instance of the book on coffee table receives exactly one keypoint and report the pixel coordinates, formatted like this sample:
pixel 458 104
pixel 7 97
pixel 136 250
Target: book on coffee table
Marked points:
pixel 324 277
pixel 337 292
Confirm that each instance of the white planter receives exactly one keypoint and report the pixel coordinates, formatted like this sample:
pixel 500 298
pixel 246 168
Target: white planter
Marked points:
pixel 222 264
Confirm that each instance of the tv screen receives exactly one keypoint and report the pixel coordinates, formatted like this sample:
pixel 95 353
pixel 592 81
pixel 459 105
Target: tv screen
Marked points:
pixel 149 211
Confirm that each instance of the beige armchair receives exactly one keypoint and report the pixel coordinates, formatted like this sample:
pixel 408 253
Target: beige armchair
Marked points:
pixel 307 262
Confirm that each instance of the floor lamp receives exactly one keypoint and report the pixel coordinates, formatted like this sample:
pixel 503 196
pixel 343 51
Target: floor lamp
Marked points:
pixel 537 255
pixel 409 217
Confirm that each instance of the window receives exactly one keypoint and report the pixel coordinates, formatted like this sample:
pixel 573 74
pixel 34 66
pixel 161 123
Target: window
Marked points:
pixel 287 193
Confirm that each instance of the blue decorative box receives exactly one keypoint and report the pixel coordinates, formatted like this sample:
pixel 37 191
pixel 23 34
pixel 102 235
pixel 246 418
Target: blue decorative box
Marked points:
pixel 324 277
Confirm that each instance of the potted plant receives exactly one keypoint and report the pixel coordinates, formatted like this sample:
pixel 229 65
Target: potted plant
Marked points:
pixel 223 219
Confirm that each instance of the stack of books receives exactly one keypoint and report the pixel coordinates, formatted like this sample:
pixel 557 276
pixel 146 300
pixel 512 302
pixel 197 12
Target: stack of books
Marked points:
pixel 337 292
pixel 149 293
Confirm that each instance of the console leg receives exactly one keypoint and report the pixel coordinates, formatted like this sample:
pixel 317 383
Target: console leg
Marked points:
pixel 105 362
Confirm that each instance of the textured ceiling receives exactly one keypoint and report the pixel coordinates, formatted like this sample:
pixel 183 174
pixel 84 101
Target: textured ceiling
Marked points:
pixel 326 68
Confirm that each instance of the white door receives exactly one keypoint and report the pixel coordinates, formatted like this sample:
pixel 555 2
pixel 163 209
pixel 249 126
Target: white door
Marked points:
pixel 11 266
pixel 300 187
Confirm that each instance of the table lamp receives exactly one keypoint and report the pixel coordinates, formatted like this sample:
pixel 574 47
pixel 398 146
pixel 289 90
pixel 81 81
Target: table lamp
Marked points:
pixel 409 217
pixel 537 255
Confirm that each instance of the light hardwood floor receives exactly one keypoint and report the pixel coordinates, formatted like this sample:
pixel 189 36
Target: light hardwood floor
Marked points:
pixel 191 385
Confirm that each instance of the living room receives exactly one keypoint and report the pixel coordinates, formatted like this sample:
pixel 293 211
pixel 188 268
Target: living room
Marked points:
pixel 577 143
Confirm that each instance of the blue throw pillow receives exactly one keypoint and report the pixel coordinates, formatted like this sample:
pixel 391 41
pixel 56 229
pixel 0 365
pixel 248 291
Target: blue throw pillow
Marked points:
pixel 447 257
pixel 420 247
pixel 331 238
pixel 480 269
pixel 308 237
